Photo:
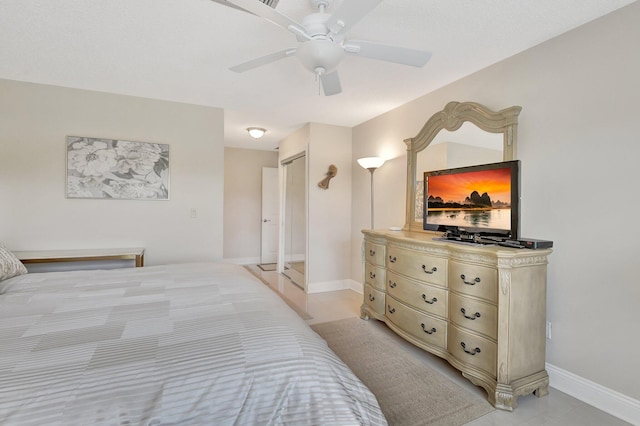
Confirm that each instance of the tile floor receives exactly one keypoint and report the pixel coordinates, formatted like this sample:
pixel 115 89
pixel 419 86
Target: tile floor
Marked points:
pixel 555 409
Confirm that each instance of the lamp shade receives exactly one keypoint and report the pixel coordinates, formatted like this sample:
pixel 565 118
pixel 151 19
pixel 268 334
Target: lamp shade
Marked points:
pixel 256 132
pixel 371 162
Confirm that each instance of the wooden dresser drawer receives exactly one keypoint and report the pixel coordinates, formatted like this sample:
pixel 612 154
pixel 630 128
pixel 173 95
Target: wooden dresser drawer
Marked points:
pixel 374 299
pixel 473 314
pixel 417 265
pixel 374 253
pixel 374 276
pixel 423 327
pixel 473 350
pixel 478 281
pixel 424 297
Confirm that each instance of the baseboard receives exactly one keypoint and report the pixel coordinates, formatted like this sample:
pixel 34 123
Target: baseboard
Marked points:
pixel 603 398
pixel 242 260
pixel 356 286
pixel 322 287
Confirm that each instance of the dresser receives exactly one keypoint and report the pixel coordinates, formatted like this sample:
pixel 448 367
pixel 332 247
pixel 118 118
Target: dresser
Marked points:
pixel 482 308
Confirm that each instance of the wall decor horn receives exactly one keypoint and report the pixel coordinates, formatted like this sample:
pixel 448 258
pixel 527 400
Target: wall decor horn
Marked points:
pixel 324 183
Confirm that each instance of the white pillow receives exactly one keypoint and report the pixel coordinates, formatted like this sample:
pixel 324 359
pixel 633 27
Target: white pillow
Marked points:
pixel 10 266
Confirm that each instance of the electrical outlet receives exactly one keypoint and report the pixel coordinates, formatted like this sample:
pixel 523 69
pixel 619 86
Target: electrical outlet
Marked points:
pixel 549 330
pixel 194 213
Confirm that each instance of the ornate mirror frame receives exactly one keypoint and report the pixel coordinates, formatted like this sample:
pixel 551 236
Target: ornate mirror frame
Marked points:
pixel 451 118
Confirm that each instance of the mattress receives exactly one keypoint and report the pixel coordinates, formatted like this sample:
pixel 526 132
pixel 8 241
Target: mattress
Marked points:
pixel 188 344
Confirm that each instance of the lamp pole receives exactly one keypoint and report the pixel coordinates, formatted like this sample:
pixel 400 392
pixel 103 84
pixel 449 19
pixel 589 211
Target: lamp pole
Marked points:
pixel 371 164
pixel 371 170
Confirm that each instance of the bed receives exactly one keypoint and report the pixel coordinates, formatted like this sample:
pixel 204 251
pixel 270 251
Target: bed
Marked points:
pixel 187 344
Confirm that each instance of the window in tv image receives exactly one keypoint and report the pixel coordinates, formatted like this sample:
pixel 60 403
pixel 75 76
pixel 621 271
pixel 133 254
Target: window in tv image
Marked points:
pixel 474 198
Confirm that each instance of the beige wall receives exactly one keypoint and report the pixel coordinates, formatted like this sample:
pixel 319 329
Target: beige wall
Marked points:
pixel 243 202
pixel 34 213
pixel 329 211
pixel 579 147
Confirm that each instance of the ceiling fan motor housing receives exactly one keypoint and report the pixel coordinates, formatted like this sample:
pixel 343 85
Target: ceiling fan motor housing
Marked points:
pixel 315 25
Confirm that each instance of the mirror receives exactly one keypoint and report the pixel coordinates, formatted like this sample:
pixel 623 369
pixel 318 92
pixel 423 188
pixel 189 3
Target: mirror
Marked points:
pixel 462 134
pixel 467 146
pixel 295 224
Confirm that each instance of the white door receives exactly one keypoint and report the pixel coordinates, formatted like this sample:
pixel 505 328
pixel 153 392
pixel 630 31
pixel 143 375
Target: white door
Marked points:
pixel 270 213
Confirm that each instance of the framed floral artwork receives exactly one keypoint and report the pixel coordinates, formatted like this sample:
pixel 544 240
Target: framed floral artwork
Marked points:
pixel 117 169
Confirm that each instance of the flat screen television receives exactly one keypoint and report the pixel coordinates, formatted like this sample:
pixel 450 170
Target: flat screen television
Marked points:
pixel 479 200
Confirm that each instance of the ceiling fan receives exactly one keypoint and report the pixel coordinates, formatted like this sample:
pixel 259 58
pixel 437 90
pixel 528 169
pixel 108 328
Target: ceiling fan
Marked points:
pixel 322 40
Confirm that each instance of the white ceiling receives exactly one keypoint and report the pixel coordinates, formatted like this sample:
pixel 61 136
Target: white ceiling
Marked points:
pixel 180 50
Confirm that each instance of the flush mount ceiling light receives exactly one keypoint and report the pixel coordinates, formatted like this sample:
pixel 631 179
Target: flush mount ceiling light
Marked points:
pixel 256 132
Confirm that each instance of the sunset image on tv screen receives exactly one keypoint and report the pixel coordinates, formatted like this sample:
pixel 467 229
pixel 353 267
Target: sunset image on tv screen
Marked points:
pixel 476 198
pixel 458 187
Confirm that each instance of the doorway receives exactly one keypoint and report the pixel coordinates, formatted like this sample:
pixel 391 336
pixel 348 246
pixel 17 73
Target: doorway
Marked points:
pixel 295 223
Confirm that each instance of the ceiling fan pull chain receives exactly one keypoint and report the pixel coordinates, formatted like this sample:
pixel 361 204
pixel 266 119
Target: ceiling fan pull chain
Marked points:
pixel 318 72
pixel 317 78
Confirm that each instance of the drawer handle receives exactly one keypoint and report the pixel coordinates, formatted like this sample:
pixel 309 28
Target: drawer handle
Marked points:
pixel 472 317
pixel 392 284
pixel 392 259
pixel 433 330
pixel 475 280
pixel 391 310
pixel 424 268
pixel 372 252
pixel 431 302
pixel 464 348
pixel 372 275
pixel 371 298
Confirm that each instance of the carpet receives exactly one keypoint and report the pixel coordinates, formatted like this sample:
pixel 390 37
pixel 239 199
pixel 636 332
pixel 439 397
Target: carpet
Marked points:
pixel 409 393
pixel 267 267
pixel 302 313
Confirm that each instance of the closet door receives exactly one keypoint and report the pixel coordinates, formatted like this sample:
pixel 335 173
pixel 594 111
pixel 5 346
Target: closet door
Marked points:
pixel 295 224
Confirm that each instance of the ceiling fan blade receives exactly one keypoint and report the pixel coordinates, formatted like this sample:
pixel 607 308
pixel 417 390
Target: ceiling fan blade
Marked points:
pixel 263 60
pixel 349 13
pixel 383 52
pixel 261 9
pixel 226 3
pixel 331 83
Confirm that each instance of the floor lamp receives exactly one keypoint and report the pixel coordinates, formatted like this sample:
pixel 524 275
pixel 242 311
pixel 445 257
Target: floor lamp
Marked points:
pixel 371 164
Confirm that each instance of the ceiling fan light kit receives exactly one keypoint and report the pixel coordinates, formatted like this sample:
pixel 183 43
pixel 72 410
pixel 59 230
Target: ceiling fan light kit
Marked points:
pixel 323 54
pixel 322 43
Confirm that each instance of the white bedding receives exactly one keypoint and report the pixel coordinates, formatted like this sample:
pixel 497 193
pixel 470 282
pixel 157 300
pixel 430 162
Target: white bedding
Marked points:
pixel 191 344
